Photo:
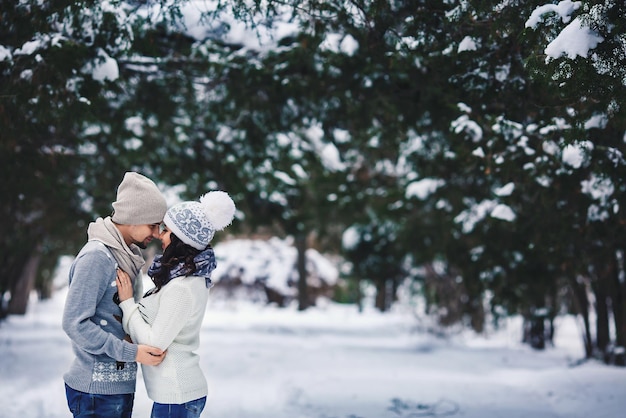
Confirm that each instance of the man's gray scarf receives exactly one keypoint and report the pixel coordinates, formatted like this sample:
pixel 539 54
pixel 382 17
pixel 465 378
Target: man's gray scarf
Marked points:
pixel 128 258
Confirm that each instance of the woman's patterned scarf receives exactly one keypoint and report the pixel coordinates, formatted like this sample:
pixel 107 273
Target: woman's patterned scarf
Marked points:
pixel 205 264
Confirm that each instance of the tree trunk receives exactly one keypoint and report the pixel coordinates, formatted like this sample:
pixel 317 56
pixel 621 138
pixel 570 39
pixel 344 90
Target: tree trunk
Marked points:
pixel 618 293
pixel 381 295
pixel 303 300
pixel 20 293
pixel 582 306
pixel 599 284
pixel 602 320
pixel 477 316
pixel 359 295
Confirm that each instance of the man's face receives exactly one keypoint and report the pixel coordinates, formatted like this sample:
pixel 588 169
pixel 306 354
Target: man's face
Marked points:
pixel 141 235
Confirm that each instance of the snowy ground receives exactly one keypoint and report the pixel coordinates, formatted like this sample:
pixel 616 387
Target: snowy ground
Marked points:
pixel 332 362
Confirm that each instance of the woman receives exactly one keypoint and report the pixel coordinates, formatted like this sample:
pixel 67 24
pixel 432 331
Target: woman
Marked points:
pixel 169 316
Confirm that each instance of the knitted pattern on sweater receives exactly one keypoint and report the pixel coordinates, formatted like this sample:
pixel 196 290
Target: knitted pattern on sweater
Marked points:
pixel 104 363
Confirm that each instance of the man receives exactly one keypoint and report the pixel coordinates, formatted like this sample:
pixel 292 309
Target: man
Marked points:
pixel 101 380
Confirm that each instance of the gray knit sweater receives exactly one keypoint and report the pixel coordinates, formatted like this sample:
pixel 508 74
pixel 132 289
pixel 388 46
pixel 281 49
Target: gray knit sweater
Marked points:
pixel 104 363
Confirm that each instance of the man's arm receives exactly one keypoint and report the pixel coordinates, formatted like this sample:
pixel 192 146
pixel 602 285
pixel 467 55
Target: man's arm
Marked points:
pixel 91 274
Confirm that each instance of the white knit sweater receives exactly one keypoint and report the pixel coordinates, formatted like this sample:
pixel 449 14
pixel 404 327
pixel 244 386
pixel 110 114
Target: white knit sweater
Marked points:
pixel 171 319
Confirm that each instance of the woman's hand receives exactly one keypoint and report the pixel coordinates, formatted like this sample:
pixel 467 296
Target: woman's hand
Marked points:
pixel 124 285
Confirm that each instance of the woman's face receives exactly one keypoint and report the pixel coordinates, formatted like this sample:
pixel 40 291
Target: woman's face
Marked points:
pixel 164 236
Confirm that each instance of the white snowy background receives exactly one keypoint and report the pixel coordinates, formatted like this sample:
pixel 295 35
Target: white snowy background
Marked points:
pixel 331 362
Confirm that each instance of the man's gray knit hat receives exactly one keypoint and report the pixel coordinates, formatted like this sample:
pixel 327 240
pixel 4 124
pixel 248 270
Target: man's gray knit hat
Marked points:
pixel 139 201
pixel 195 223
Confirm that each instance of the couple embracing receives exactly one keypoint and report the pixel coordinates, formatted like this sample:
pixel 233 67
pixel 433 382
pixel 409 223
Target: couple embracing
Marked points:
pixel 113 325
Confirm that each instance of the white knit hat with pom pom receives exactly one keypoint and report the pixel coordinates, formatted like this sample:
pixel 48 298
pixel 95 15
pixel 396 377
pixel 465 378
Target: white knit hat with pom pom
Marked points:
pixel 195 223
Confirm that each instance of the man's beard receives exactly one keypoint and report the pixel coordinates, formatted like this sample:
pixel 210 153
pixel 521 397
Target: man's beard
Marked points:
pixel 141 245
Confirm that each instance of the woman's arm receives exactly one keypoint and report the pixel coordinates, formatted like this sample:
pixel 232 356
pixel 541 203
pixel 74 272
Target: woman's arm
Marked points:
pixel 174 310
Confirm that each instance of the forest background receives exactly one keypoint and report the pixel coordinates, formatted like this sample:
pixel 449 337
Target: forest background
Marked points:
pixel 475 148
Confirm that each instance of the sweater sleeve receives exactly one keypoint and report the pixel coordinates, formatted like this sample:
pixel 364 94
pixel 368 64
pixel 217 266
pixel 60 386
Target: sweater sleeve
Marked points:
pixel 174 310
pixel 91 274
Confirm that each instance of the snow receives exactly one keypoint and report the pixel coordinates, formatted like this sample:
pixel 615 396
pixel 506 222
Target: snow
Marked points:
pixel 331 361
pixel 271 262
pixel 423 188
pixel 464 124
pixel 575 39
pixel 597 121
pixel 503 212
pixel 30 47
pixel 341 136
pixel 350 238
pixel 475 213
pixel 285 178
pixel 262 38
pixel 598 188
pixel 327 151
pixel 5 54
pixel 467 44
pixel 339 43
pixel 573 155
pixel 135 125
pixel 564 9
pixel 479 152
pixel 505 190
pixel 105 68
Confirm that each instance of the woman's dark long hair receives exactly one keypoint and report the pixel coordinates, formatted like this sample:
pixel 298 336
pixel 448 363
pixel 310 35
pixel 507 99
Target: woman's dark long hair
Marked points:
pixel 175 253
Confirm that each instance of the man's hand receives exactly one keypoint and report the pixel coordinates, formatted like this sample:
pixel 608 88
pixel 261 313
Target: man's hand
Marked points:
pixel 149 355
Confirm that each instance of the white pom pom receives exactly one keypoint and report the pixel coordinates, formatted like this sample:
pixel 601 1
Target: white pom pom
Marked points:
pixel 219 208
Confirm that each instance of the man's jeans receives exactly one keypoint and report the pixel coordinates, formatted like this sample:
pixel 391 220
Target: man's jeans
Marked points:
pixel 191 409
pixel 91 405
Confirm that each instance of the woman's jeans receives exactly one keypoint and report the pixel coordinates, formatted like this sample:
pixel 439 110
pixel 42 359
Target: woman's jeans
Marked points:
pixel 90 405
pixel 191 409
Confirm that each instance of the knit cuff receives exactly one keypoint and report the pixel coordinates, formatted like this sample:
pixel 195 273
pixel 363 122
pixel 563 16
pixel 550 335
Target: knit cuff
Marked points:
pixel 129 352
